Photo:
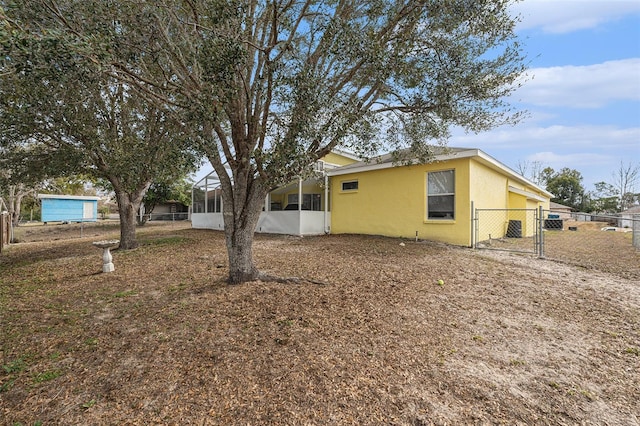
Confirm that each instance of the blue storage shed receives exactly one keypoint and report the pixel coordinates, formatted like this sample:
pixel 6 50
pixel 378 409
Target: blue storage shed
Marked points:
pixel 68 208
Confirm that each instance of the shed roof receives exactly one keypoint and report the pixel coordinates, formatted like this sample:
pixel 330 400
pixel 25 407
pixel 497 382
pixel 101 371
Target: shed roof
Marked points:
pixel 69 197
pixel 558 206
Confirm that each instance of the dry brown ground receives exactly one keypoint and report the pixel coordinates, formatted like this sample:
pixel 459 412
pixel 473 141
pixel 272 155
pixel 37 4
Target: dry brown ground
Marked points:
pixel 508 339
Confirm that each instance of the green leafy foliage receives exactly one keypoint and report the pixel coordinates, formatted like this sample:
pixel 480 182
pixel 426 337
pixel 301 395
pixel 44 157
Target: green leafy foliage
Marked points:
pixel 62 113
pixel 566 186
pixel 263 89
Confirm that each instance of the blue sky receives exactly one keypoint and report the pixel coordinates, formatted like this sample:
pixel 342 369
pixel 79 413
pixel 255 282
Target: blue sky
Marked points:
pixel 582 91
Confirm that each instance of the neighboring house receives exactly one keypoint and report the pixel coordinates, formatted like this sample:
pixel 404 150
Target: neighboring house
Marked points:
pixel 628 216
pixel 563 212
pixel 169 210
pixel 68 208
pixel 429 201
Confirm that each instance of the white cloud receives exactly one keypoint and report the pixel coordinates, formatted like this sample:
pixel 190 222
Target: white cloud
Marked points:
pixel 557 137
pixel 593 150
pixel 575 159
pixel 589 86
pixel 564 16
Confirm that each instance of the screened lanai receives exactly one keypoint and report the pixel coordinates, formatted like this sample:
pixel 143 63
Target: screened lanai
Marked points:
pixel 283 213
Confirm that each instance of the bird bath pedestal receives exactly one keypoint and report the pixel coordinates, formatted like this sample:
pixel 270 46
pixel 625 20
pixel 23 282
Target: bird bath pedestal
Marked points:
pixel 107 264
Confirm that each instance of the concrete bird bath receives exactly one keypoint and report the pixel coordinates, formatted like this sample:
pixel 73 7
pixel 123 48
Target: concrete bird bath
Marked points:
pixel 106 245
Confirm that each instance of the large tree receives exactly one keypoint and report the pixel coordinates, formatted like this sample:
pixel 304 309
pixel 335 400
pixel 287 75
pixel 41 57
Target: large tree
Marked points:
pixel 624 180
pixel 566 186
pixel 60 108
pixel 604 198
pixel 272 86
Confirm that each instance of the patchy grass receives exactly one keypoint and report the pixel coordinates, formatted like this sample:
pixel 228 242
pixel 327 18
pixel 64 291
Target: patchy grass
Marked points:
pixel 163 340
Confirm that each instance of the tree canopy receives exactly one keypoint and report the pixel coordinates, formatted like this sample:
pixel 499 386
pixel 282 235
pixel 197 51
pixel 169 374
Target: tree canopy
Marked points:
pixel 272 86
pixel 61 114
pixel 566 186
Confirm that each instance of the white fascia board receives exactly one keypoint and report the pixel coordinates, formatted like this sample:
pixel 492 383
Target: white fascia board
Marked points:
pixel 529 195
pixel 364 168
pixel 344 153
pixel 380 166
pixel 69 197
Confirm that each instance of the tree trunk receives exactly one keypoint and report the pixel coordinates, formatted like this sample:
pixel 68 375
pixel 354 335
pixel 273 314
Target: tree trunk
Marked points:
pixel 128 205
pixel 16 194
pixel 240 220
pixel 15 216
pixel 240 250
pixel 147 214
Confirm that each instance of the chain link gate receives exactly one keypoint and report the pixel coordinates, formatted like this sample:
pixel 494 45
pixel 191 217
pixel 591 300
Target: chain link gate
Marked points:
pixel 515 230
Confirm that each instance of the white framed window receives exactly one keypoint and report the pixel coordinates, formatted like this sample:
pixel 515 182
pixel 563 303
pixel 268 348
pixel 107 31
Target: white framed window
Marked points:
pixel 350 185
pixel 441 195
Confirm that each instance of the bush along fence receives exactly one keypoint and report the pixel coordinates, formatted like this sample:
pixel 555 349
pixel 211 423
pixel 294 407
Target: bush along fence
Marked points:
pixel 587 240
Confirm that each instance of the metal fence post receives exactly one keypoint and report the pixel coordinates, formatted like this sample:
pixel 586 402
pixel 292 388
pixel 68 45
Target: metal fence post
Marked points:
pixel 540 232
pixel 473 214
pixel 635 225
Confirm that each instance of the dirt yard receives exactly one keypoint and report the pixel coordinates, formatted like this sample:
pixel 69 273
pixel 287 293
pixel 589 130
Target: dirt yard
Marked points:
pixel 506 339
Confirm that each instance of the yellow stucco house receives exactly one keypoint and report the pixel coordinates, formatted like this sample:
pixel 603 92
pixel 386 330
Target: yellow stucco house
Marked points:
pixel 431 201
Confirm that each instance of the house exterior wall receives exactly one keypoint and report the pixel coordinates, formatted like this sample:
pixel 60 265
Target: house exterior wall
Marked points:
pixel 69 210
pixel 492 189
pixel 393 202
pixel 168 208
pixel 489 191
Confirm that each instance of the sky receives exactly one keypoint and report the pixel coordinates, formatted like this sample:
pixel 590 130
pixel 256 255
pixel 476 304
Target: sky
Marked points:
pixel 582 91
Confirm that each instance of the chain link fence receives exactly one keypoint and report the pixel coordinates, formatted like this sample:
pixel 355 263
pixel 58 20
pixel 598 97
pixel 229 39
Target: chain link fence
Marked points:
pixel 165 216
pixel 507 229
pixel 609 243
